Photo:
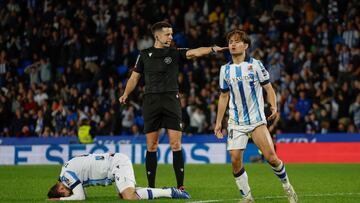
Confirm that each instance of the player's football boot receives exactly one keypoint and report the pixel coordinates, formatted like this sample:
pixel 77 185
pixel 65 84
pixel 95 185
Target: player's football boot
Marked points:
pixel 179 194
pixel 291 194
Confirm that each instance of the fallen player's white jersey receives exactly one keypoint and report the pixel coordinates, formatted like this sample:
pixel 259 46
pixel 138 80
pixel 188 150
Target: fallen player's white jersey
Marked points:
pixel 88 170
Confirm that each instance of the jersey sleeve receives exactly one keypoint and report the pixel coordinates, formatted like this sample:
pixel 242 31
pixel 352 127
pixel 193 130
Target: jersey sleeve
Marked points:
pixel 139 64
pixel 261 73
pixel 77 194
pixel 182 53
pixel 224 87
pixel 70 179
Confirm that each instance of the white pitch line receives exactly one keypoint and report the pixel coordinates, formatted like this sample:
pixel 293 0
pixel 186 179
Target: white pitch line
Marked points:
pixel 278 197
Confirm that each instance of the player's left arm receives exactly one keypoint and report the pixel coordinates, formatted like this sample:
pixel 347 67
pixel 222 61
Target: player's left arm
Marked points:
pixel 264 78
pixel 201 51
pixel 72 182
pixel 271 98
pixel 78 194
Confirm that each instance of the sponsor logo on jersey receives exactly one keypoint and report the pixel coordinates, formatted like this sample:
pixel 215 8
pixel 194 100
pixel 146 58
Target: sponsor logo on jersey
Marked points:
pixel 249 77
pixel 65 180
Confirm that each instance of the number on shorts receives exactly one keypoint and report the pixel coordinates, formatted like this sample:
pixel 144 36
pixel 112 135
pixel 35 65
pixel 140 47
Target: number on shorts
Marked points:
pixel 231 134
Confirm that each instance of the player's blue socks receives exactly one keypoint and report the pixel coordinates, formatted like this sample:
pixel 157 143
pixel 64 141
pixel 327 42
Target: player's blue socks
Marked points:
pixel 241 180
pixel 280 172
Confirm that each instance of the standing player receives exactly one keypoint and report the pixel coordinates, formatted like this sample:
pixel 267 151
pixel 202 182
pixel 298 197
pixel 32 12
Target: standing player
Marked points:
pixel 160 66
pixel 103 169
pixel 242 81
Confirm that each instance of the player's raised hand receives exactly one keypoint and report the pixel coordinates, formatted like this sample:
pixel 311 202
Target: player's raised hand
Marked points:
pixel 123 99
pixel 217 131
pixel 219 49
pixel 274 113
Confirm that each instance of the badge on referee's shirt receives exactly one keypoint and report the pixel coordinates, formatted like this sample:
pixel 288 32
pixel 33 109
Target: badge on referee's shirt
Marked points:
pixel 167 60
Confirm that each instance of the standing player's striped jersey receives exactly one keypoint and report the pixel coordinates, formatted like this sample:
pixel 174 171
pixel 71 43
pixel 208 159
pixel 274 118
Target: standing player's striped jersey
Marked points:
pixel 244 81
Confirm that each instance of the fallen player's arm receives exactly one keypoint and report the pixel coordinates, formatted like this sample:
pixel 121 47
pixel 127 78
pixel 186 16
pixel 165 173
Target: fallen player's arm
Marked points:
pixel 54 199
pixel 78 194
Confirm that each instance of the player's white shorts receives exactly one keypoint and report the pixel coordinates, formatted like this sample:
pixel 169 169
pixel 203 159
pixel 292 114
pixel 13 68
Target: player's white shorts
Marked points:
pixel 238 136
pixel 123 172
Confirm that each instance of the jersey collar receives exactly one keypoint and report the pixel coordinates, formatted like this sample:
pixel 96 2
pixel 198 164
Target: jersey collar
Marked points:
pixel 247 59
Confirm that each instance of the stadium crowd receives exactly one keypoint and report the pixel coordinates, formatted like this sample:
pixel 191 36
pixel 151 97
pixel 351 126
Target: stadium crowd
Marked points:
pixel 64 61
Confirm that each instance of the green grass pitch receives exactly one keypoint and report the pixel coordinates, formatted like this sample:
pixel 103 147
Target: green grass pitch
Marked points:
pixel 206 183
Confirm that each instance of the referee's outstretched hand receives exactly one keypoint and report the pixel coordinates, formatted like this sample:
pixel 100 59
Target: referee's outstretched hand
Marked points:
pixel 123 99
pixel 219 49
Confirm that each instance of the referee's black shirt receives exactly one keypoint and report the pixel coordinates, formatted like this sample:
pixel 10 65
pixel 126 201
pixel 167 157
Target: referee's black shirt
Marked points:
pixel 160 67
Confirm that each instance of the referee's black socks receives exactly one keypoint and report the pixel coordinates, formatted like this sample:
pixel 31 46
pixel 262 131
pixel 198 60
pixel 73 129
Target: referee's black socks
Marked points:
pixel 151 164
pixel 178 164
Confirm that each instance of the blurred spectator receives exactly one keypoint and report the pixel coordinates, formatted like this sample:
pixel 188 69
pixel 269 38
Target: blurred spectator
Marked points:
pixel 303 104
pixel 39 128
pixel 59 115
pixel 355 112
pixel 295 124
pixel 312 124
pixel 127 119
pixel 197 120
pixel 351 35
pixel 85 132
pixel 135 130
pixel 17 124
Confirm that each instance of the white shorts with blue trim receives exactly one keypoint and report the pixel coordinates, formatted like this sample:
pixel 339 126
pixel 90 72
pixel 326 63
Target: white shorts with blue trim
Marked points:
pixel 238 135
pixel 123 172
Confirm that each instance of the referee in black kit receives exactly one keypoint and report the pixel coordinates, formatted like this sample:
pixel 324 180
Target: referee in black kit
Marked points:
pixel 161 107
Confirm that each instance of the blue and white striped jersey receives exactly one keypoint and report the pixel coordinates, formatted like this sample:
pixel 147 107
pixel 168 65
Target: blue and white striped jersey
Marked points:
pixel 244 81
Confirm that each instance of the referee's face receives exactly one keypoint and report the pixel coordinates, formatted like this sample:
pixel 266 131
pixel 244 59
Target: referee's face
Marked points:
pixel 164 37
pixel 236 46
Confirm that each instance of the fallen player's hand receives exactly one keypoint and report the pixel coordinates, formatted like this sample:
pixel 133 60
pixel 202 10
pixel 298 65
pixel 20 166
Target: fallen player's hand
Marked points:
pixel 54 199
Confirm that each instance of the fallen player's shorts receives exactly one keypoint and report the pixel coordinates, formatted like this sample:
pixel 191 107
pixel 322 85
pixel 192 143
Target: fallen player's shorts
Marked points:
pixel 123 172
pixel 238 136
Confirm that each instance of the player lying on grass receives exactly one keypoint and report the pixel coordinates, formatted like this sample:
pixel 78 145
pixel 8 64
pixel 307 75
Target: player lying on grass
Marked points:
pixel 103 169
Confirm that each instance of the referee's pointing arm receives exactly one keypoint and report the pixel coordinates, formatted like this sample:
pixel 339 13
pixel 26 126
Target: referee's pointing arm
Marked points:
pixel 201 51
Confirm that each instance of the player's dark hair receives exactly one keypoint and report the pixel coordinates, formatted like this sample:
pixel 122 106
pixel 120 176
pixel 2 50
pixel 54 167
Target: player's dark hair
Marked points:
pixel 159 25
pixel 53 192
pixel 242 36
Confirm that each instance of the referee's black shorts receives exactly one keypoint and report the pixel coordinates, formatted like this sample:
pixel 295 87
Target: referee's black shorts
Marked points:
pixel 162 110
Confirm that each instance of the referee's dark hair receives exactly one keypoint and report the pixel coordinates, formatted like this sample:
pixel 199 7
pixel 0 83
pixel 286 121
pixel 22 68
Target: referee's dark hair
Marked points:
pixel 159 25
pixel 241 35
